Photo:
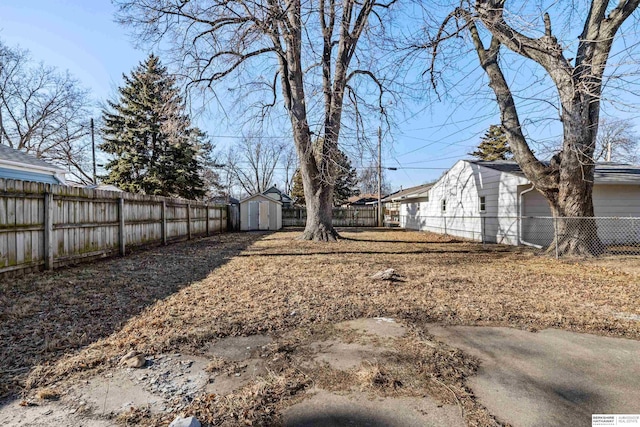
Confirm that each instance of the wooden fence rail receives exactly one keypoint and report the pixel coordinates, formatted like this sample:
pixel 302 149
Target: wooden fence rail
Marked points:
pixel 43 225
pixel 360 216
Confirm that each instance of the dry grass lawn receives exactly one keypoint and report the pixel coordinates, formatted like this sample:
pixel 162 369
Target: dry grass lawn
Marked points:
pixel 56 327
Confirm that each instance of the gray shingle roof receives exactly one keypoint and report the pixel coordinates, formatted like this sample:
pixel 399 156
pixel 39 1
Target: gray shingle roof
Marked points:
pixel 418 190
pixel 605 173
pixel 13 155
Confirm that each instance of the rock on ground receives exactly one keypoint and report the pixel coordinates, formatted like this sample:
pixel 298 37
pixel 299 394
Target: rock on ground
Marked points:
pixel 185 422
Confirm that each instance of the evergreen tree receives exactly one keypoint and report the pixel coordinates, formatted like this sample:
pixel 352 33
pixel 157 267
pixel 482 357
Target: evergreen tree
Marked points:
pixel 345 183
pixel 297 190
pixel 346 179
pixel 149 134
pixel 493 145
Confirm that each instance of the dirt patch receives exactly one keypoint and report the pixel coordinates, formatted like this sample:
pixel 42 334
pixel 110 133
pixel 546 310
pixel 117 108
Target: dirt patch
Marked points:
pixel 239 348
pixel 61 328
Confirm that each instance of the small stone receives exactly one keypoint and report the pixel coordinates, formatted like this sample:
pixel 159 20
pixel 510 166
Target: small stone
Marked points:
pixel 133 359
pixel 388 274
pixel 185 422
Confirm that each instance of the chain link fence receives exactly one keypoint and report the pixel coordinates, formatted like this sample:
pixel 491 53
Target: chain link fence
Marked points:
pixel 575 236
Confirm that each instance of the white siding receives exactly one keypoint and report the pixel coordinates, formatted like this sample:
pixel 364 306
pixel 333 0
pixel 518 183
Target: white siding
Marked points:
pixel 462 187
pixel 465 182
pixel 616 200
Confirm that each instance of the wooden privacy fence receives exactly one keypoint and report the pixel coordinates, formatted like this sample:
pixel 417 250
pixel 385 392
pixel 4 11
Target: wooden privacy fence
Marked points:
pixel 53 225
pixel 360 216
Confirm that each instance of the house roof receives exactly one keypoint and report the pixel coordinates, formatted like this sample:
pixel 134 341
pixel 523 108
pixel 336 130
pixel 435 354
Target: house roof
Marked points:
pixel 224 200
pixel 605 173
pixel 274 190
pixel 362 198
pixel 409 193
pixel 103 187
pixel 10 155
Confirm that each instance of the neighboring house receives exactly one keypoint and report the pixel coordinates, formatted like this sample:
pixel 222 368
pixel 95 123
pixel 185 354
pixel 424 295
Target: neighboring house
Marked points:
pixel 494 202
pixel 260 212
pixel 224 200
pixel 361 200
pixel 393 202
pixel 278 195
pixel 17 165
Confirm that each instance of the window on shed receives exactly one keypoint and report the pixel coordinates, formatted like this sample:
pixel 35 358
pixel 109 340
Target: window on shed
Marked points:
pixel 444 205
pixel 483 204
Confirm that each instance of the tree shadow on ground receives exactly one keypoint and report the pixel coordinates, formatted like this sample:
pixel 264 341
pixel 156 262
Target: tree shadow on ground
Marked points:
pixel 47 315
pixel 342 419
pixel 407 252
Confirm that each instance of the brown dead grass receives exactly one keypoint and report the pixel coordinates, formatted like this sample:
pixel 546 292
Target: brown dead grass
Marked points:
pixel 58 326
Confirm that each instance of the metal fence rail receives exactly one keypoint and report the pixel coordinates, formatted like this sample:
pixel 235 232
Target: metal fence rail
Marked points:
pixel 597 235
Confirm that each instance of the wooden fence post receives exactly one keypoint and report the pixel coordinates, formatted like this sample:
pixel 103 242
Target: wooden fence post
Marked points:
pixel 206 208
pixel 48 230
pixel 121 231
pixel 220 213
pixel 164 222
pixel 189 221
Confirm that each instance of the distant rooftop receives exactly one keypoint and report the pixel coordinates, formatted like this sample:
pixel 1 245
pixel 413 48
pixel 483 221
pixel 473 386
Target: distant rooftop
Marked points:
pixel 605 173
pixel 411 192
pixel 12 155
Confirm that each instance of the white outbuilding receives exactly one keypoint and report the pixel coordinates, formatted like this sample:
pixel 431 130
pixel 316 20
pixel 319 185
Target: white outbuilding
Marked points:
pixel 260 212
pixel 493 201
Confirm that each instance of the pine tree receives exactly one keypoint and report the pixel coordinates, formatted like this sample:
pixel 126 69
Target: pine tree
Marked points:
pixel 345 183
pixel 346 179
pixel 494 145
pixel 297 190
pixel 149 134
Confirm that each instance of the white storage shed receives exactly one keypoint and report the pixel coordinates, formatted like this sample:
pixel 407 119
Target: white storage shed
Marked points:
pixel 259 212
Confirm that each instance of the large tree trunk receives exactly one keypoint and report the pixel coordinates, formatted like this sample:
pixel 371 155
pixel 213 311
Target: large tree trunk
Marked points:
pixel 319 204
pixel 576 231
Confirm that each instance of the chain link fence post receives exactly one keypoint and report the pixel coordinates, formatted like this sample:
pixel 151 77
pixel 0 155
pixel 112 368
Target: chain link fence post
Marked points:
pixel 555 234
pixel 483 231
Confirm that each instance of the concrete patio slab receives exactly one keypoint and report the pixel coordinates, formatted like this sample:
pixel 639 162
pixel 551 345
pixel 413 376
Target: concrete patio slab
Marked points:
pixel 551 377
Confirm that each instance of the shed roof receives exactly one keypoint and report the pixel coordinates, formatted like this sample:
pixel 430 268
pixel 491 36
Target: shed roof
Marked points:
pixel 605 173
pixel 11 155
pixel 246 199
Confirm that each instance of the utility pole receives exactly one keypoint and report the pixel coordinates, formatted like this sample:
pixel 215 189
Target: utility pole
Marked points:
pixel 93 151
pixel 380 219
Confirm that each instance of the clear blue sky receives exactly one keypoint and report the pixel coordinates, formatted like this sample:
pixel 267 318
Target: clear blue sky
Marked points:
pixel 81 37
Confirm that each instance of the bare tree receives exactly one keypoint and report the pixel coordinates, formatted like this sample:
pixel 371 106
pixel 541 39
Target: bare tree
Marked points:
pixel 368 180
pixel 616 142
pixel 253 163
pixel 44 112
pixel 318 57
pixel 577 74
pixel 289 162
